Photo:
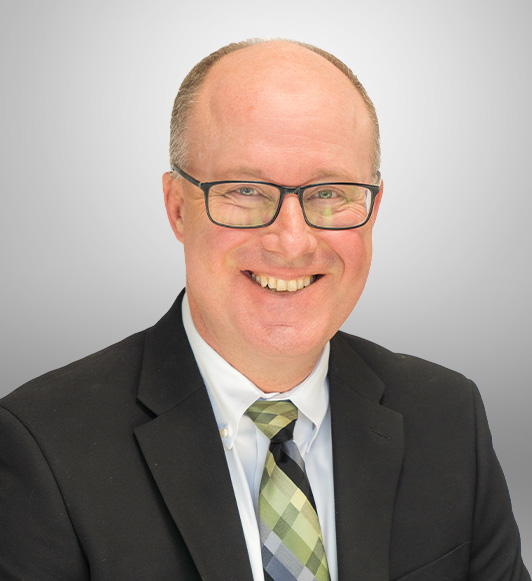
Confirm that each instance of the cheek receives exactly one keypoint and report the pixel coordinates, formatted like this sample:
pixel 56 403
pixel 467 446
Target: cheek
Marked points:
pixel 354 248
pixel 210 249
pixel 355 254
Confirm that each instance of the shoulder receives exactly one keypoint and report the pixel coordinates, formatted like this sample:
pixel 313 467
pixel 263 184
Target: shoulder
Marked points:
pixel 388 364
pixel 406 378
pixel 110 373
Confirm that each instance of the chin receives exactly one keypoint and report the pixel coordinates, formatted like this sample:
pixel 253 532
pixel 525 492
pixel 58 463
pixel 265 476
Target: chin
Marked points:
pixel 281 340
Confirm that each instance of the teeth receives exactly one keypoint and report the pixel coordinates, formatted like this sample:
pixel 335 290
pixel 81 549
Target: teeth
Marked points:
pixel 280 284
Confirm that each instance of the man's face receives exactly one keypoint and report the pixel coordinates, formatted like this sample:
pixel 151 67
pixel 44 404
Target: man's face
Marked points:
pixel 281 114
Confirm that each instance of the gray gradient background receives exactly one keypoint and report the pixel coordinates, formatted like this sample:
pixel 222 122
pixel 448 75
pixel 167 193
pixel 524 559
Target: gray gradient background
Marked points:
pixel 88 256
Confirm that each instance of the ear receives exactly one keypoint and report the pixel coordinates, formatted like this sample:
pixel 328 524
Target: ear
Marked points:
pixel 174 202
pixel 377 203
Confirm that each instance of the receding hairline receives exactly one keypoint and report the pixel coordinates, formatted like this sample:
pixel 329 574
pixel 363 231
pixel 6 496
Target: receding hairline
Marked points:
pixel 194 81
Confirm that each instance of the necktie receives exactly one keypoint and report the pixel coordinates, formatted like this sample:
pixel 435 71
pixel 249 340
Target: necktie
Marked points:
pixel 292 544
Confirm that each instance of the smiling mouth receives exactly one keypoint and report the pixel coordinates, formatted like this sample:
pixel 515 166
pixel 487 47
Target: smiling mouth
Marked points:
pixel 282 285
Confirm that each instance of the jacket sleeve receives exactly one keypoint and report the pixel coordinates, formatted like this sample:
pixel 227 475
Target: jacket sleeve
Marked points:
pixel 37 540
pixel 495 544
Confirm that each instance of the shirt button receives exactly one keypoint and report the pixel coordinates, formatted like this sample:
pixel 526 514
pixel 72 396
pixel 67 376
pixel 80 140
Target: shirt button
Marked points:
pixel 224 432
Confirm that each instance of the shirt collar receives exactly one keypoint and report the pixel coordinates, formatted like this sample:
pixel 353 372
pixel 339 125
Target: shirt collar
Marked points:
pixel 231 393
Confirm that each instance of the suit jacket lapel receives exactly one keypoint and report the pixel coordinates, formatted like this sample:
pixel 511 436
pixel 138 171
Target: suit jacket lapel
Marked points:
pixel 367 458
pixel 183 450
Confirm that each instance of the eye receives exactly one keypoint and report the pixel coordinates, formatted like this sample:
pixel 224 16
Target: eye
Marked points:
pixel 325 194
pixel 247 191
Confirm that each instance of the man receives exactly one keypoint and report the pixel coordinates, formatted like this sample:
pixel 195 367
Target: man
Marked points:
pixel 146 460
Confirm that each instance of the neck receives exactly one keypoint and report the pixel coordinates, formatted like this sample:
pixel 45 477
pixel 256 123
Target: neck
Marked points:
pixel 278 372
pixel 274 374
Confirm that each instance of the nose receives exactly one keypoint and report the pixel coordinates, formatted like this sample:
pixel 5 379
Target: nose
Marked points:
pixel 290 236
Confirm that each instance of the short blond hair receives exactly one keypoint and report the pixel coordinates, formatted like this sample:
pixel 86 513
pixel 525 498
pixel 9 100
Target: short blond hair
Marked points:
pixel 192 83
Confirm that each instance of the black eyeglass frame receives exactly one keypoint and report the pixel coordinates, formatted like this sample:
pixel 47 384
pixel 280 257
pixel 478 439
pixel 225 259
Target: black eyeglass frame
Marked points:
pixel 283 190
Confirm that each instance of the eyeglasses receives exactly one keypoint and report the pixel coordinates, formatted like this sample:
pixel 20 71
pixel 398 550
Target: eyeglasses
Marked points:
pixel 329 206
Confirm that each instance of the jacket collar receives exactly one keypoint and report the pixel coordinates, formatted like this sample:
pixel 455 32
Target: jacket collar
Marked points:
pixel 169 372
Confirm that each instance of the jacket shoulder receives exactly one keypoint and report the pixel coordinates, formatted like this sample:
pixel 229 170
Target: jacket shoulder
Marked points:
pixel 406 377
pixel 79 383
pixel 383 360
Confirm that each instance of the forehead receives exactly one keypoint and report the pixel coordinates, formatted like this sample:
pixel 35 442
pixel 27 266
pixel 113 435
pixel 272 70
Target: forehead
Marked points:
pixel 278 98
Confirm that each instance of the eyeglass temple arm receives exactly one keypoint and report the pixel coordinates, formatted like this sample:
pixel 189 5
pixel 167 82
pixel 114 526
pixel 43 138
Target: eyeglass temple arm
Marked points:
pixel 186 176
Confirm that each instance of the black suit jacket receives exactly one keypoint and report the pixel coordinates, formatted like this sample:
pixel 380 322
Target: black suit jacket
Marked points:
pixel 112 468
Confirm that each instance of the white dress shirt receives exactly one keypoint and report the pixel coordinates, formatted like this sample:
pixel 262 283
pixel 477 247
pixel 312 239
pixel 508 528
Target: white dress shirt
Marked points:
pixel 246 446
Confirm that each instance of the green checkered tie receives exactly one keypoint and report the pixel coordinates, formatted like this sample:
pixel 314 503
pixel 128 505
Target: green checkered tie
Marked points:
pixel 292 544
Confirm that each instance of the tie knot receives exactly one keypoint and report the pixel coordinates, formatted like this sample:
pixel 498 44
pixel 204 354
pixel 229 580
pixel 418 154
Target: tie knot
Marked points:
pixel 275 419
